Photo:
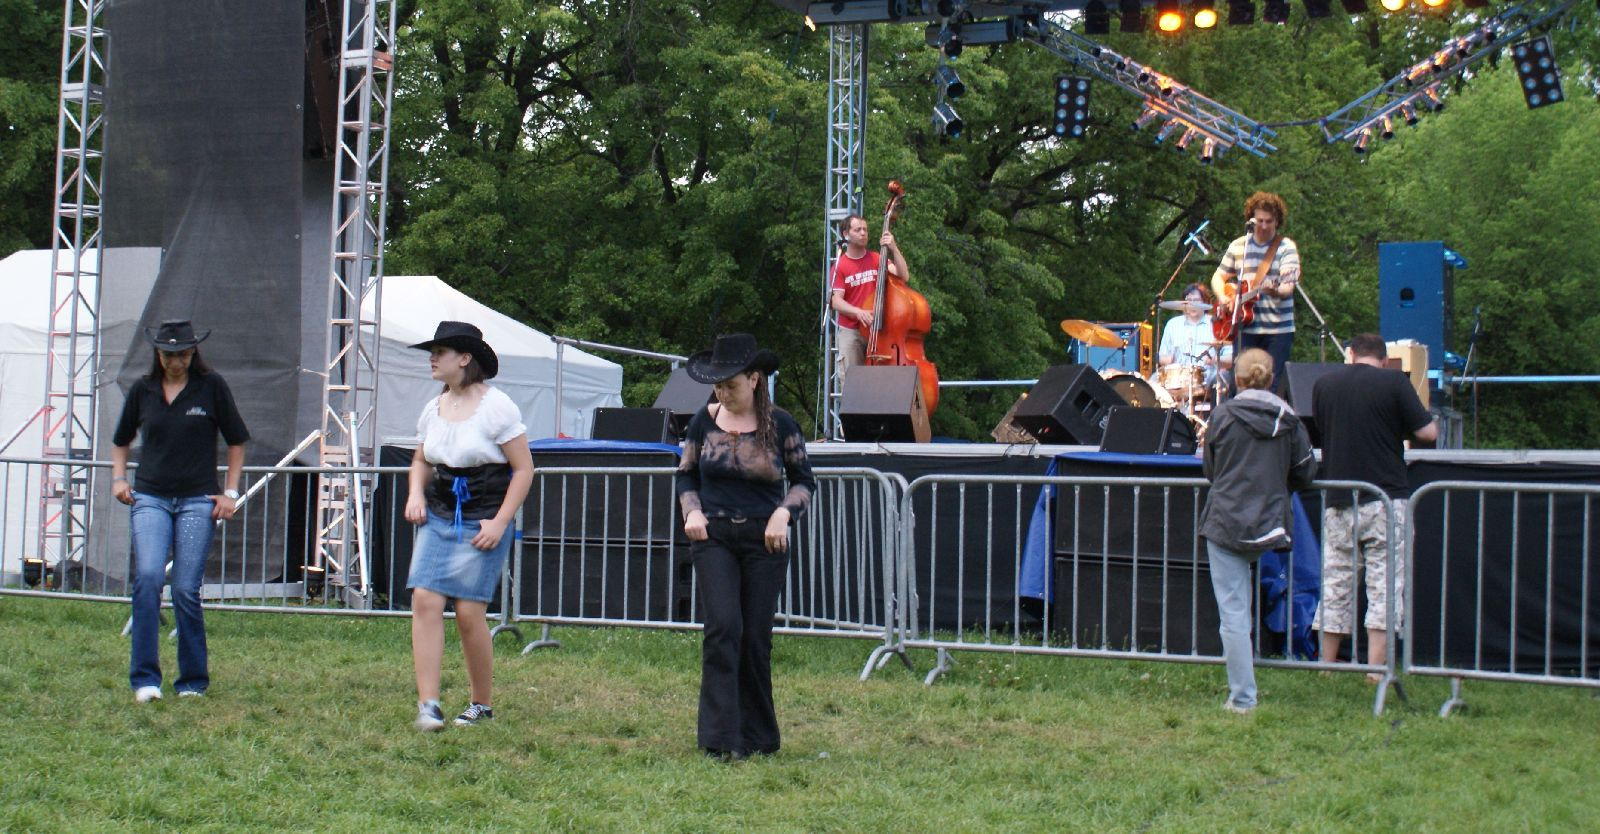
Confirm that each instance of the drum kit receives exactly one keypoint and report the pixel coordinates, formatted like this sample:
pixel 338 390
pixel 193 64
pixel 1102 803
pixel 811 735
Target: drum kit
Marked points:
pixel 1172 386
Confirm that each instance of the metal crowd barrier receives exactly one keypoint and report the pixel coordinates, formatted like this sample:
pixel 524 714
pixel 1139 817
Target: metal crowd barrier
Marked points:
pixel 1115 570
pixel 1512 569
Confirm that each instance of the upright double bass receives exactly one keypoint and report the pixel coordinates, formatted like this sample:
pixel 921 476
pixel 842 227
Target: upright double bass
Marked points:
pixel 900 317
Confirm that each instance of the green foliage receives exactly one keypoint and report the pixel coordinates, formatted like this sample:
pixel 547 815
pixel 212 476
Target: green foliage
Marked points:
pixel 307 727
pixel 29 76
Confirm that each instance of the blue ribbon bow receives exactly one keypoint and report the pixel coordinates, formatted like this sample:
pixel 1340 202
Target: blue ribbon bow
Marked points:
pixel 459 488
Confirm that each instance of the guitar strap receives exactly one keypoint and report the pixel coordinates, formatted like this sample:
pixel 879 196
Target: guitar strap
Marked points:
pixel 1261 274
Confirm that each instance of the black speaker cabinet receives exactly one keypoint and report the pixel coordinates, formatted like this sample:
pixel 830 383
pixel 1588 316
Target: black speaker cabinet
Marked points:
pixel 1148 431
pixel 883 404
pixel 1303 377
pixel 1069 404
pixel 1119 605
pixel 683 397
pixel 644 425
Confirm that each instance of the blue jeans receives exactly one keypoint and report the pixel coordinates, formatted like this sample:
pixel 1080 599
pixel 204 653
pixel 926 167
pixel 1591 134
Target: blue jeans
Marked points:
pixel 182 527
pixel 1230 580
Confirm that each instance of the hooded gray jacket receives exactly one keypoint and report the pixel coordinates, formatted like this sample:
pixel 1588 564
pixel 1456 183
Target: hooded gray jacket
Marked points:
pixel 1256 452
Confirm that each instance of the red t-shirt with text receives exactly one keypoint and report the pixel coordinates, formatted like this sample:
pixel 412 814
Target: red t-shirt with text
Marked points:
pixel 858 279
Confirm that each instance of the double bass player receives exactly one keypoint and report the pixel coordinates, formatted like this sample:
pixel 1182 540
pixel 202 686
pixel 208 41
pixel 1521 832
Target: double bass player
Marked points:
pixel 855 282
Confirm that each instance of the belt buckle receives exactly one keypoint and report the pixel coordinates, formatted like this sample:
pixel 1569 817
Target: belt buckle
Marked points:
pixel 737 519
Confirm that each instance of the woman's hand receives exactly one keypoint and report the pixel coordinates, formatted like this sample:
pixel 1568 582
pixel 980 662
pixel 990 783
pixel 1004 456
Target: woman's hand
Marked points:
pixel 223 507
pixel 778 531
pixel 121 491
pixel 416 508
pixel 489 532
pixel 694 526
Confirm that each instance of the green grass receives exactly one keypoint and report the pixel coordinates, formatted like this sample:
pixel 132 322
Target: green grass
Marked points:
pixel 307 727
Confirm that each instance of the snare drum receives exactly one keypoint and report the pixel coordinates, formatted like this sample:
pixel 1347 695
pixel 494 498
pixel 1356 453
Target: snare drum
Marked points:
pixel 1183 380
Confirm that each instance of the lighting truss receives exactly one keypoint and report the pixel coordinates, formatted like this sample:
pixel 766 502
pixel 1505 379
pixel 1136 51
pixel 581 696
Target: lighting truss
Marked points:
pixel 1165 99
pixel 1421 87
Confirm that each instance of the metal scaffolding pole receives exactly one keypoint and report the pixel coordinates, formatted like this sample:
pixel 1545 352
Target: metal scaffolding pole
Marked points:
pixel 847 152
pixel 76 249
pixel 355 273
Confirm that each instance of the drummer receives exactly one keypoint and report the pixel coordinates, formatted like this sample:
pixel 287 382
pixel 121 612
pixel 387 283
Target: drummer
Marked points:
pixel 1188 341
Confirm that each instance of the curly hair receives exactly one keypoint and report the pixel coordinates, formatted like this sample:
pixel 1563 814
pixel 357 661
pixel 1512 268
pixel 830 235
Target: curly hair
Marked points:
pixel 1269 201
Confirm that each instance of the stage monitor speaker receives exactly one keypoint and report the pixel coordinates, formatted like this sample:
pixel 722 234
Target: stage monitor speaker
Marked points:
pixel 683 397
pixel 1148 431
pixel 643 425
pixel 1303 378
pixel 883 404
pixel 1007 430
pixel 1069 404
pixel 1416 295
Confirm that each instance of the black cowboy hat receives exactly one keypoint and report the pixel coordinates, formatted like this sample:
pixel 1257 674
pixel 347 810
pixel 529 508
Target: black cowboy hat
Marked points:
pixel 175 335
pixel 732 354
pixel 464 338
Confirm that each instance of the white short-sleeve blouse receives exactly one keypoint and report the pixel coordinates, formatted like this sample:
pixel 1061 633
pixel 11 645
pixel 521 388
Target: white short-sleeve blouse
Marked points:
pixel 475 440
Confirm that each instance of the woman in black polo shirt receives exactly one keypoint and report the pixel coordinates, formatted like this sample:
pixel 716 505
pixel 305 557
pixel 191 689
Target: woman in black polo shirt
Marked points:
pixel 178 409
pixel 736 513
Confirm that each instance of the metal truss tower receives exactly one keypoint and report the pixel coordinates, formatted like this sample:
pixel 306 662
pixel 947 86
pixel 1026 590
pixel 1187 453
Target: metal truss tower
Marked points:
pixel 76 249
pixel 847 152
pixel 355 273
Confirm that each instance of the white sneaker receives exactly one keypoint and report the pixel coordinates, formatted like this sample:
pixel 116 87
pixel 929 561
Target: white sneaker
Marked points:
pixel 430 718
pixel 191 693
pixel 146 694
pixel 1236 709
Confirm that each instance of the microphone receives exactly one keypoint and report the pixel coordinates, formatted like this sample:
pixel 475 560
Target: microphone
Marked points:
pixel 1250 225
pixel 1197 239
pixel 1477 320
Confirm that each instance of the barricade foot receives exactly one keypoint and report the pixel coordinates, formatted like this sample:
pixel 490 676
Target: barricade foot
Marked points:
pixel 1454 702
pixel 1389 680
pixel 505 628
pixel 940 666
pixel 880 658
pixel 545 641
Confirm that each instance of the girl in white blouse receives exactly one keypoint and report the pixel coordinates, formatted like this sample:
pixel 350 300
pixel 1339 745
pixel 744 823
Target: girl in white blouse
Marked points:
pixel 470 473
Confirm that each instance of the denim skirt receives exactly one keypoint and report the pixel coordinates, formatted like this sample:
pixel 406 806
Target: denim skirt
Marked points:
pixel 456 569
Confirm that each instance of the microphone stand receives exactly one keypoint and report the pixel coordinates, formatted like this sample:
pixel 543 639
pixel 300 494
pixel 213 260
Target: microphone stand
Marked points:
pixel 1323 333
pixel 1466 366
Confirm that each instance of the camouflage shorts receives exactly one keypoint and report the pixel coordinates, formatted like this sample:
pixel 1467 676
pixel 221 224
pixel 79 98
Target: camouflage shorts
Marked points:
pixel 1342 530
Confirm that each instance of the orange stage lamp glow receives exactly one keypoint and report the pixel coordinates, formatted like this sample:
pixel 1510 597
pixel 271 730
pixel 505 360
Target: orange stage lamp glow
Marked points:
pixel 1394 5
pixel 1169 22
pixel 1205 18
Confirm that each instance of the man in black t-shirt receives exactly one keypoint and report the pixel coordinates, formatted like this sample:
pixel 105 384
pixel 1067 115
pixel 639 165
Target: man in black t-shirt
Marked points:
pixel 1364 412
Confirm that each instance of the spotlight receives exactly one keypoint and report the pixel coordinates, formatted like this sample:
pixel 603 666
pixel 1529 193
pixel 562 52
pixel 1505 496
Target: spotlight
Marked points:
pixel 1360 6
pixel 1183 141
pixel 1432 98
pixel 861 11
pixel 1169 18
pixel 1208 151
pixel 946 121
pixel 952 45
pixel 32 571
pixel 1131 13
pixel 1205 13
pixel 1435 4
pixel 1387 127
pixel 1149 115
pixel 948 82
pixel 1072 107
pixel 1363 139
pixel 1275 11
pixel 1392 5
pixel 1408 114
pixel 1537 72
pixel 1241 12
pixel 1096 18
pixel 1319 8
pixel 1167 129
pixel 315 581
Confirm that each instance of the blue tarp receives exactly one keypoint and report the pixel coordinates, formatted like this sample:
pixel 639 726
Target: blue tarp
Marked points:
pixel 574 445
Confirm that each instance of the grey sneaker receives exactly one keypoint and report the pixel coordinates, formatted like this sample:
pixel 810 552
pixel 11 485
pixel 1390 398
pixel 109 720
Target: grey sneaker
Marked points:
pixel 474 713
pixel 430 718
pixel 191 693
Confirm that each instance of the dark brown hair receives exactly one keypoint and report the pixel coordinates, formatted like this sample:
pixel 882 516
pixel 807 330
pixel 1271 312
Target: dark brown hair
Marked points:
pixel 471 375
pixel 197 366
pixel 1370 345
pixel 1269 201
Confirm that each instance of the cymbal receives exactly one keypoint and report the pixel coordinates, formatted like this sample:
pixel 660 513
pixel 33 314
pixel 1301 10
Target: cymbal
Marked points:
pixel 1185 305
pixel 1090 333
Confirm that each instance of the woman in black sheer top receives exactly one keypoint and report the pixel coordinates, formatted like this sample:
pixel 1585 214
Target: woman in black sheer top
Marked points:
pixel 736 455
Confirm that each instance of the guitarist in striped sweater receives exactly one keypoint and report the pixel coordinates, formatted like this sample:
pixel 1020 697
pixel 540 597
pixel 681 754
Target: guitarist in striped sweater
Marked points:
pixel 1254 284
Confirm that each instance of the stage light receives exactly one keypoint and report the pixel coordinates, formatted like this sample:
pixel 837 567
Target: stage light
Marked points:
pixel 1183 141
pixel 1167 129
pixel 1149 115
pixel 953 45
pixel 1241 12
pixel 1208 151
pixel 948 82
pixel 861 11
pixel 1096 18
pixel 1205 14
pixel 1319 8
pixel 1386 127
pixel 1434 4
pixel 946 121
pixel 315 581
pixel 1071 107
pixel 1362 140
pixel 1275 11
pixel 1359 6
pixel 1408 114
pixel 32 571
pixel 1537 72
pixel 1432 99
pixel 1392 5
pixel 1131 13
pixel 1169 17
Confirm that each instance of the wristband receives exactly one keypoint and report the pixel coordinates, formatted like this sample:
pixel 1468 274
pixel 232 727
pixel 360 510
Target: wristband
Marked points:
pixel 231 494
